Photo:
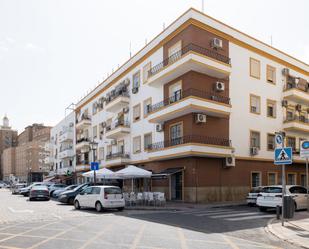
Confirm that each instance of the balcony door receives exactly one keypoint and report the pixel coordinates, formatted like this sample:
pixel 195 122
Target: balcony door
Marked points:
pixel 174 92
pixel 176 132
pixel 174 52
pixel 120 147
pixel 176 186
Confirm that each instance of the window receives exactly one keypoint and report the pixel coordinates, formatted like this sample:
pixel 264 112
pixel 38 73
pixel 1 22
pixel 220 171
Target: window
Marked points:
pixel 255 179
pixel 136 112
pixel 101 153
pixel 289 115
pixel 136 79
pixel 95 132
pixel 298 190
pixel 147 106
pixel 174 52
pixel 137 144
pixel 101 130
pixel 303 180
pixel 255 104
pixel 108 124
pixel 96 191
pixel 146 69
pixel 270 142
pixel 176 133
pixel 147 141
pixel 291 142
pixel 271 108
pixel 272 178
pixel 291 179
pixel 174 91
pixel 255 139
pixel 271 74
pixel 94 108
pixel 109 149
pixel 120 146
pixel 255 69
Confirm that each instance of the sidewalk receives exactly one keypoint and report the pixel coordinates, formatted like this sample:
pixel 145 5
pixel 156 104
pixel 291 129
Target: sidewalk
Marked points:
pixel 184 206
pixel 295 231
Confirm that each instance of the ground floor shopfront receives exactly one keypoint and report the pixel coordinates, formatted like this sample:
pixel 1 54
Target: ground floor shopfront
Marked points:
pixel 207 180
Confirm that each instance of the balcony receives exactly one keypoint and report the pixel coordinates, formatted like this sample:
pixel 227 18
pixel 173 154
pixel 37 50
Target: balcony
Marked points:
pixel 191 57
pixel 66 136
pixel 82 144
pixel 49 160
pixel 117 101
pixel 297 92
pixel 83 123
pixel 118 158
pixel 119 129
pixel 298 124
pixel 68 153
pixel 192 145
pixel 189 101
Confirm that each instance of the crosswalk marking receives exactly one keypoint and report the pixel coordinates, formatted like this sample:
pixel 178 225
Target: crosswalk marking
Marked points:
pixel 205 211
pixel 218 213
pixel 233 215
pixel 251 217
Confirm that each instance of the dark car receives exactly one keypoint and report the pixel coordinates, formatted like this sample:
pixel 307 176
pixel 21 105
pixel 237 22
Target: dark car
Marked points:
pixel 58 192
pixel 69 196
pixel 40 192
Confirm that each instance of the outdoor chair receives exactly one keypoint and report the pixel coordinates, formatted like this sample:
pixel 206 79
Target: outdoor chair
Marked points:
pixel 140 198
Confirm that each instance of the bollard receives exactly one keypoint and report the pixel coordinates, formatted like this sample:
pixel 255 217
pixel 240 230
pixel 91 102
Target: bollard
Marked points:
pixel 278 212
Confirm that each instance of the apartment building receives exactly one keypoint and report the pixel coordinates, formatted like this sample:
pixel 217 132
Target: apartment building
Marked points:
pixel 8 138
pixel 61 149
pixel 26 161
pixel 199 106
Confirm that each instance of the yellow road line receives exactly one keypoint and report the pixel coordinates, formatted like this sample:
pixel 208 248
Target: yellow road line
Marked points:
pixel 138 237
pixel 182 238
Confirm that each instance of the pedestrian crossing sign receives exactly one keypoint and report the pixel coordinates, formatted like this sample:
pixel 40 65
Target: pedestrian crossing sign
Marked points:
pixel 283 156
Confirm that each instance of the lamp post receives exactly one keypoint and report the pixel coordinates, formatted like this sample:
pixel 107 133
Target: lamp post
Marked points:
pixel 94 147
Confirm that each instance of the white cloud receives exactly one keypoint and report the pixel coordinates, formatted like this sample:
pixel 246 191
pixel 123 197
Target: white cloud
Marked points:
pixel 10 39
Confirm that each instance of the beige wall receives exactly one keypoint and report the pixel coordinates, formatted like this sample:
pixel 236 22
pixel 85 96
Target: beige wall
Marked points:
pixel 8 162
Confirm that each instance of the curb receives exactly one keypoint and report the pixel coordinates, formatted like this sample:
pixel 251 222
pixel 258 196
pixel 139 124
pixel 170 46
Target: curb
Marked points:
pixel 269 229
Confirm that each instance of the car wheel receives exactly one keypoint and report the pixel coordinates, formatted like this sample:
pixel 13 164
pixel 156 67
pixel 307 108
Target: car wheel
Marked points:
pixel 51 193
pixel 120 209
pixel 295 206
pixel 98 206
pixel 263 209
pixel 30 199
pixel 71 200
pixel 76 205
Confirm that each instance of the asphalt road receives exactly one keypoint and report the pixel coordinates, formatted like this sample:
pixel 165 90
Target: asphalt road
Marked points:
pixel 25 224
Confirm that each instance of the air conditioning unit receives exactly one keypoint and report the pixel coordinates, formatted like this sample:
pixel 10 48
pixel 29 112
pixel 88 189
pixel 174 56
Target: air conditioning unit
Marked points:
pixel 71 124
pixel 254 151
pixel 200 118
pixel 114 142
pixel 219 86
pixel 284 103
pixel 135 90
pixel 159 127
pixel 298 107
pixel 125 110
pixel 230 161
pixel 285 71
pixel 216 43
pixel 127 81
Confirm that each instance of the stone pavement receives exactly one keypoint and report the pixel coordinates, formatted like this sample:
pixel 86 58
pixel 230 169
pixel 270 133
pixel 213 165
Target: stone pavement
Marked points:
pixel 294 231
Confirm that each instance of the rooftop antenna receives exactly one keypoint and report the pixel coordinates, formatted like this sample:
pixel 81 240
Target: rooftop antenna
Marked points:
pixel 164 26
pixel 271 40
pixel 146 41
pixel 130 50
pixel 203 6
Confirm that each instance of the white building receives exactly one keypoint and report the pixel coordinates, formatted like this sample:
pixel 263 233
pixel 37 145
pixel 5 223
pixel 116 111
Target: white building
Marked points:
pixel 200 105
pixel 62 150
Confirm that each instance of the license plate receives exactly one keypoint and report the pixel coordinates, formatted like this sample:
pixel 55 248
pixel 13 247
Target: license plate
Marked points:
pixel 269 197
pixel 40 195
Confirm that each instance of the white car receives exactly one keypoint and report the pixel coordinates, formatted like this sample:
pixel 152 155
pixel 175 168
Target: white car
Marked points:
pixel 100 198
pixel 272 197
pixel 253 194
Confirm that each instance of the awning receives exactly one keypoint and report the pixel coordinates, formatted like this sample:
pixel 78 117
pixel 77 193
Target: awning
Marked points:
pixel 132 171
pixel 167 172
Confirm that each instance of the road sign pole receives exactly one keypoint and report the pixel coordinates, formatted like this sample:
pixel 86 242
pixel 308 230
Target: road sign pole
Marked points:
pixel 307 184
pixel 283 194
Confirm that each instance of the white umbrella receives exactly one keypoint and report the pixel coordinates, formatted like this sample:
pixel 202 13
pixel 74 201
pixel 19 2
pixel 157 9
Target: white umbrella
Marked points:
pixel 101 173
pixel 132 172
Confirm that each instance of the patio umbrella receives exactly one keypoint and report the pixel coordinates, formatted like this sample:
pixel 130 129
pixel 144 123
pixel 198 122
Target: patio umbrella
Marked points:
pixel 101 173
pixel 132 172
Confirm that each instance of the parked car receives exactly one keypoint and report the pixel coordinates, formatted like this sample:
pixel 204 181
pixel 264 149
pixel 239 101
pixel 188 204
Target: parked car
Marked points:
pixel 252 195
pixel 100 198
pixel 17 187
pixel 271 197
pixel 55 186
pixel 39 192
pixel 69 196
pixel 3 185
pixel 25 191
pixel 58 192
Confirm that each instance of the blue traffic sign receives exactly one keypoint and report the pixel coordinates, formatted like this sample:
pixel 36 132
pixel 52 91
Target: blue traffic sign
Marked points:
pixel 94 166
pixel 279 140
pixel 283 156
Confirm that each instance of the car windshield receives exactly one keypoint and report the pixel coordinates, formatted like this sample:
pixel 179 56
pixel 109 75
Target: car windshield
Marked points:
pixel 272 190
pixel 256 190
pixel 112 190
pixel 70 187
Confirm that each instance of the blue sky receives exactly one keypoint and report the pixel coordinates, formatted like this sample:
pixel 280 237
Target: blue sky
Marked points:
pixel 52 52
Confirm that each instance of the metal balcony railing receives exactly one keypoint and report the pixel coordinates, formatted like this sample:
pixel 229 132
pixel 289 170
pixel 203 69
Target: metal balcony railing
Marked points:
pixel 82 162
pixel 115 95
pixel 83 117
pixel 189 139
pixel 292 84
pixel 190 47
pixel 117 123
pixel 116 155
pixel 190 92
pixel 297 118
pixel 83 139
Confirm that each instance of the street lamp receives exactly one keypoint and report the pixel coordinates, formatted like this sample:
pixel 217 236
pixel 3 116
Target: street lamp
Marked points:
pixel 94 147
